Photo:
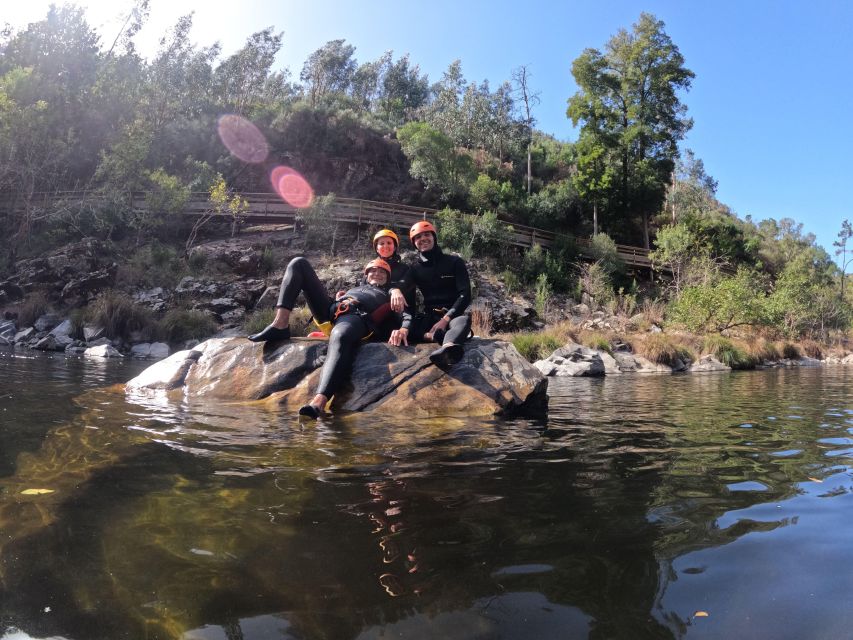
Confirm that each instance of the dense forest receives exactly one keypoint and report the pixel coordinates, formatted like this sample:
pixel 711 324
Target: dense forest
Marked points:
pixel 83 111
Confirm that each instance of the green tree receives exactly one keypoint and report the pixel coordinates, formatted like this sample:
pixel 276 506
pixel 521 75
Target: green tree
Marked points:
pixel 328 70
pixel 434 160
pixel 841 249
pixel 627 103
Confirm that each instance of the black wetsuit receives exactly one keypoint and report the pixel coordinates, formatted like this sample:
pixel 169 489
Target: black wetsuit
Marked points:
pixel 367 311
pixel 446 288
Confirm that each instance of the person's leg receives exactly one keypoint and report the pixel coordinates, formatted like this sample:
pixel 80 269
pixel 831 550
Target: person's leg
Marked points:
pixel 299 277
pixel 343 343
pixel 451 351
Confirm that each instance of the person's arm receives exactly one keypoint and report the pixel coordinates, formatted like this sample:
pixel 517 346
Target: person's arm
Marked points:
pixel 401 335
pixel 398 294
pixel 463 290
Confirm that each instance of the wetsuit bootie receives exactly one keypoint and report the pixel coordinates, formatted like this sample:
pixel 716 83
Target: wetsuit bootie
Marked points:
pixel 271 334
pixel 310 411
pixel 447 355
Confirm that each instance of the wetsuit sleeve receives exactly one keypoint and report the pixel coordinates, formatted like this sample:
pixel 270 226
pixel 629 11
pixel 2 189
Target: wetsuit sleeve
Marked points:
pixel 463 289
pixel 406 323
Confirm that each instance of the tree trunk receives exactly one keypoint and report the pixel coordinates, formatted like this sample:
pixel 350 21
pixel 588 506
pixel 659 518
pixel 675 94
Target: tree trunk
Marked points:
pixel 528 169
pixel 594 218
pixel 646 242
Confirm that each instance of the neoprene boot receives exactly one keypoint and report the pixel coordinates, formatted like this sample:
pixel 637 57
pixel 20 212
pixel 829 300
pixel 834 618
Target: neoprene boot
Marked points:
pixel 447 355
pixel 310 411
pixel 271 334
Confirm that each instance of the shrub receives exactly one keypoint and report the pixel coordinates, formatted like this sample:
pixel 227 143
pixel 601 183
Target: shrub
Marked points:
pixel 603 250
pixel 812 349
pixel 179 325
pixel 32 309
pixel 543 294
pixel 511 282
pixel 728 353
pixel 535 346
pixel 790 351
pixel 258 320
pixel 596 340
pixel 118 315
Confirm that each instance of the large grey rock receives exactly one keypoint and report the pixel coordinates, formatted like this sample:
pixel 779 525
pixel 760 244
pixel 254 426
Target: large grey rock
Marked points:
pixel 92 333
pixel 7 332
pixel 492 378
pixel 64 328
pixel 709 363
pixel 572 360
pixel 47 322
pixel 145 350
pixel 24 334
pixel 103 351
pixel 165 375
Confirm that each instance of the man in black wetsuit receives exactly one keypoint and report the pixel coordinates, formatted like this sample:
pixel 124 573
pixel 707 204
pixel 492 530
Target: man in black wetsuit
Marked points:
pixel 353 316
pixel 443 280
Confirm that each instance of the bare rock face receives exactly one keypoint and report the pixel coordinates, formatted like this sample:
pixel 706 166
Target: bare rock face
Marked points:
pixel 491 379
pixel 572 360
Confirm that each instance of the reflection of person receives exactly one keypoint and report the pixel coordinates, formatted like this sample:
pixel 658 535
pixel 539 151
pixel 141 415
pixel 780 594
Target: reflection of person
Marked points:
pixel 443 280
pixel 353 316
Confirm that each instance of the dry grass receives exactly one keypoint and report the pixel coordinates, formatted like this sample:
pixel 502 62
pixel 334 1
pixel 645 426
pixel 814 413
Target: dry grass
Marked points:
pixel 762 350
pixel 603 341
pixel 662 348
pixel 812 349
pixel 481 319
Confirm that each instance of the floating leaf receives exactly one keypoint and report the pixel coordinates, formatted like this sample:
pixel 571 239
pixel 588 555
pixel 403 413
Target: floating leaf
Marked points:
pixel 701 614
pixel 35 492
pixel 815 480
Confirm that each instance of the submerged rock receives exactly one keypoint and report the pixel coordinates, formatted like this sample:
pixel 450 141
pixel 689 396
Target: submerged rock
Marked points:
pixel 491 379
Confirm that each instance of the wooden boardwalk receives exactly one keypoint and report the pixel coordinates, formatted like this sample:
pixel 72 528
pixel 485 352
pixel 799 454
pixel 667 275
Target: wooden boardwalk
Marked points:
pixel 268 208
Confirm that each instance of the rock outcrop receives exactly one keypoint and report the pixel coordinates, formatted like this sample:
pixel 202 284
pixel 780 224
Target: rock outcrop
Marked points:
pixel 491 379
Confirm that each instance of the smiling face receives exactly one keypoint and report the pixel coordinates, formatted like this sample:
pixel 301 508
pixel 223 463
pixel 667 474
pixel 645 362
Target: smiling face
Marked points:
pixel 424 241
pixel 385 247
pixel 377 276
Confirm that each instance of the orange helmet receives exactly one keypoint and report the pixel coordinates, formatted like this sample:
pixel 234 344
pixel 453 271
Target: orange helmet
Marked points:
pixel 379 263
pixel 382 233
pixel 421 227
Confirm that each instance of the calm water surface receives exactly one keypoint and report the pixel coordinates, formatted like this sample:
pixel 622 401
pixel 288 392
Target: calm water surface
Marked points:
pixel 638 503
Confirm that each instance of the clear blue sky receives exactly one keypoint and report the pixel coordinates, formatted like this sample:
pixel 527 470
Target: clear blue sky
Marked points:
pixel 770 101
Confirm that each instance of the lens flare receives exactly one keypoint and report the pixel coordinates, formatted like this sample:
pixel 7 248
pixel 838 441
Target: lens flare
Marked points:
pixel 242 138
pixel 292 187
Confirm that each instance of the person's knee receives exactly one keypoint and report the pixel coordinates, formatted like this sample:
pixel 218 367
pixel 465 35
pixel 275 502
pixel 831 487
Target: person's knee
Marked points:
pixel 298 262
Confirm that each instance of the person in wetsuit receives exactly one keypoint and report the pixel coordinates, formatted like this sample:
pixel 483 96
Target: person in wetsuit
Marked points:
pixel 353 315
pixel 387 246
pixel 446 287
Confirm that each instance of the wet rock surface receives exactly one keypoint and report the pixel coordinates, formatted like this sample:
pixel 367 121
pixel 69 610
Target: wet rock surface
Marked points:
pixel 491 379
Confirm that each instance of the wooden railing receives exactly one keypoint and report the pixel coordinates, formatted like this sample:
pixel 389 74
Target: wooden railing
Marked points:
pixel 269 208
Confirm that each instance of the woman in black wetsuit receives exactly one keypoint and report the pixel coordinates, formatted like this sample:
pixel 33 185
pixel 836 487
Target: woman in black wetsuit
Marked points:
pixel 354 315
pixel 387 246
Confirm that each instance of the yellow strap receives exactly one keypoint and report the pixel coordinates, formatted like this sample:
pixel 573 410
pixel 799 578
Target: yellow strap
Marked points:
pixel 325 327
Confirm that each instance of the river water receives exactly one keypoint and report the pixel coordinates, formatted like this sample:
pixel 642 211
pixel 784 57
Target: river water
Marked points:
pixel 701 506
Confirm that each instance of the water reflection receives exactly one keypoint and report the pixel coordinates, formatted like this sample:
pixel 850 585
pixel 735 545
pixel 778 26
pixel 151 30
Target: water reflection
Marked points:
pixel 640 501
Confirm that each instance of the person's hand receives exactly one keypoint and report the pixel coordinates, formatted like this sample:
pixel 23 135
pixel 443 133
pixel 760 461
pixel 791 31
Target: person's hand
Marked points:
pixel 398 337
pixel 398 301
pixel 441 324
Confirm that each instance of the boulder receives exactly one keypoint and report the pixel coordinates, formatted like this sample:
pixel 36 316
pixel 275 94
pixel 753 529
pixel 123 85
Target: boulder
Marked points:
pixel 91 333
pixel 7 332
pixel 492 378
pixel 85 286
pixel 47 322
pixel 23 335
pixel 572 360
pixel 709 363
pixel 63 329
pixel 103 351
pixel 157 350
